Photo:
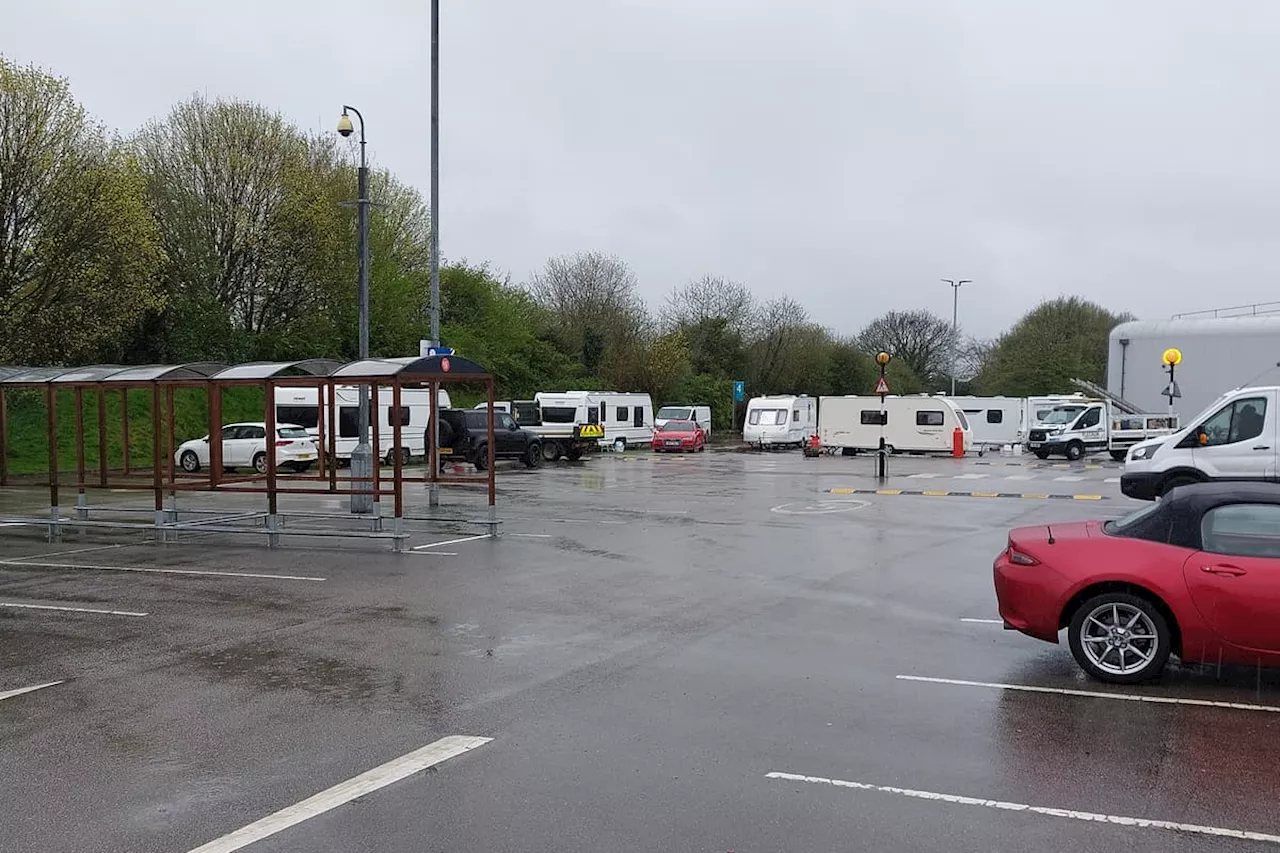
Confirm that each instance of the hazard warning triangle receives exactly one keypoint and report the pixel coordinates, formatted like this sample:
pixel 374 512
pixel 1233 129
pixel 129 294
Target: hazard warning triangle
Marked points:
pixel 882 387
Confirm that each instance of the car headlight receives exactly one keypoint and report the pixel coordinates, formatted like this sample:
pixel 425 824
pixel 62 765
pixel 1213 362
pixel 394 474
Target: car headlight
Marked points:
pixel 1140 453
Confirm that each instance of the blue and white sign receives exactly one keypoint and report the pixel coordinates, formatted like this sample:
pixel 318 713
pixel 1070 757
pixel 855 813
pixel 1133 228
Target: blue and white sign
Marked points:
pixel 739 391
pixel 429 349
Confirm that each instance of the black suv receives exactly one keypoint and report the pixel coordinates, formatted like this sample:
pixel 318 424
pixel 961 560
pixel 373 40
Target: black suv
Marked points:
pixel 464 433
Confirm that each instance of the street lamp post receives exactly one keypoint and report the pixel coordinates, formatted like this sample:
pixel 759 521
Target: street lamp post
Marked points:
pixel 955 324
pixel 362 456
pixel 433 463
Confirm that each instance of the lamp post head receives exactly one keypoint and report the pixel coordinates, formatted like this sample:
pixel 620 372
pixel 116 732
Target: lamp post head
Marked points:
pixel 882 358
pixel 345 127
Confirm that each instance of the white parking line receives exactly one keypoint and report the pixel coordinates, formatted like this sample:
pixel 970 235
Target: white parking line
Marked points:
pixel 449 542
pixel 1072 814
pixel 1112 480
pixel 66 553
pixel 924 476
pixel 532 535
pixel 1067 479
pixel 70 609
pixel 344 792
pixel 983 621
pixel 1020 477
pixel 1094 694
pixel 9 694
pixel 970 476
pixel 148 570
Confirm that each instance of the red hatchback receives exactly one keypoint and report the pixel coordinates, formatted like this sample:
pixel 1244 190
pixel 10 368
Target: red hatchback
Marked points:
pixel 1196 575
pixel 679 437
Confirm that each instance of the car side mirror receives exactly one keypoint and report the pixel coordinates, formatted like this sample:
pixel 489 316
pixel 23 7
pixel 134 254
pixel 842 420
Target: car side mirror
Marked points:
pixel 205 439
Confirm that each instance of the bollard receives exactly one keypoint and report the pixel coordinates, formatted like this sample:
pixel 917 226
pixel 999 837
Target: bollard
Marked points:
pixel 957 443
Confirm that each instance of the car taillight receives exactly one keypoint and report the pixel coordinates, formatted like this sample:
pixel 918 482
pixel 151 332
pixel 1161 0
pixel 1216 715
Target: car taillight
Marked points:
pixel 1016 556
pixel 284 442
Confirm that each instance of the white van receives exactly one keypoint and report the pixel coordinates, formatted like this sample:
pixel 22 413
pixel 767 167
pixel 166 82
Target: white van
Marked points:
pixel 307 407
pixel 917 424
pixel 780 420
pixel 701 415
pixel 1050 411
pixel 1236 438
pixel 994 420
pixel 627 419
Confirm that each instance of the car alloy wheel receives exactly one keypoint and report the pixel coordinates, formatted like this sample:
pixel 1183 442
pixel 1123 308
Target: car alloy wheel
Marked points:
pixel 1120 638
pixel 260 463
pixel 190 462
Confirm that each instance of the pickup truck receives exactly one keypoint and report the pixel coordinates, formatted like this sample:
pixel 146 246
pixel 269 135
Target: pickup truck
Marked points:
pixel 464 436
pixel 1073 431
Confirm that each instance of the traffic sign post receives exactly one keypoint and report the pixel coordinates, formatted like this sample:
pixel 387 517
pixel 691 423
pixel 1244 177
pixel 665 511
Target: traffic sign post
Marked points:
pixel 882 388
pixel 739 390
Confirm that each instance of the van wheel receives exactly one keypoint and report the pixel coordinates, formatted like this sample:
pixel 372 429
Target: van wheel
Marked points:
pixel 1177 480
pixel 1042 454
pixel 551 451
pixel 1119 455
pixel 1075 451
pixel 620 445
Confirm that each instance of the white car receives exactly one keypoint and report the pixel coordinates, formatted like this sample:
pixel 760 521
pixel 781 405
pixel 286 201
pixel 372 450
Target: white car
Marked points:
pixel 245 446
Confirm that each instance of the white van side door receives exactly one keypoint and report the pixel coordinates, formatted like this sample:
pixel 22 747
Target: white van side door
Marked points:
pixel 1239 440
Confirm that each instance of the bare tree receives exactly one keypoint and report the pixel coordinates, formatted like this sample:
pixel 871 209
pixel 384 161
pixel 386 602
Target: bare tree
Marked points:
pixel 921 339
pixel 593 302
pixel 711 298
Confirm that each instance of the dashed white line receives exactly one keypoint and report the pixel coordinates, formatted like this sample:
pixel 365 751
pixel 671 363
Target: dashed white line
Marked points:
pixel 983 621
pixel 970 476
pixel 1095 694
pixel 344 792
pixel 9 694
pixel 1020 477
pixel 1068 478
pixel 923 476
pixel 1072 814
pixel 24 606
pixel 1112 480
pixel 532 535
pixel 149 570
pixel 450 542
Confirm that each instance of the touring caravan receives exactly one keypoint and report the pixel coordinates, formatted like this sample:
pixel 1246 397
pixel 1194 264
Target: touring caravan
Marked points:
pixel 627 419
pixel 994 420
pixel 780 421
pixel 307 408
pixel 917 424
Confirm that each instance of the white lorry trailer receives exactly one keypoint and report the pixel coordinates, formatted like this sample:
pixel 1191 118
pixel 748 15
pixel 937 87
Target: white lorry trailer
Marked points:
pixel 780 420
pixel 915 424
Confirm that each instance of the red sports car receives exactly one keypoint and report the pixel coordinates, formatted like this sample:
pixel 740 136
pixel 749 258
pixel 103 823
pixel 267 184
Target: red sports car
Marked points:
pixel 1196 575
pixel 680 437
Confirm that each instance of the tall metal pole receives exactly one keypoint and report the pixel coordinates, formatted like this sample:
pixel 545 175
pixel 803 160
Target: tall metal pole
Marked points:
pixel 955 325
pixel 433 490
pixel 362 456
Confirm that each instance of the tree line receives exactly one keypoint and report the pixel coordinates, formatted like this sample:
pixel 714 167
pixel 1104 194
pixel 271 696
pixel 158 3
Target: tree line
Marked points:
pixel 222 232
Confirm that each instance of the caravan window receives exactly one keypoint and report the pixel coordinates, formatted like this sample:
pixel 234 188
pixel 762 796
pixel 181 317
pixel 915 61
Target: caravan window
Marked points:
pixel 404 416
pixel 558 414
pixel 767 417
pixel 303 416
pixel 623 414
pixel 995 416
pixel 872 418
pixel 795 416
pixel 964 422
pixel 930 417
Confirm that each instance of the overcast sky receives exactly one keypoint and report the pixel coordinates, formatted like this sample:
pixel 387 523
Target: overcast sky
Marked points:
pixel 850 153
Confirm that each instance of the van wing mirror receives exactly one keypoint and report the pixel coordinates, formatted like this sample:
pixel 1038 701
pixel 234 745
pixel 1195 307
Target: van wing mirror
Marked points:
pixel 1202 437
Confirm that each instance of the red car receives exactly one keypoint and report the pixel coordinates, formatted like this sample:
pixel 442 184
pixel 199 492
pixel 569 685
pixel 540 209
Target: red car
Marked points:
pixel 1196 575
pixel 679 437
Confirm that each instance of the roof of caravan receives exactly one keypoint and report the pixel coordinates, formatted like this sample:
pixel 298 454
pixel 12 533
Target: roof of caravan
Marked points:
pixel 1197 326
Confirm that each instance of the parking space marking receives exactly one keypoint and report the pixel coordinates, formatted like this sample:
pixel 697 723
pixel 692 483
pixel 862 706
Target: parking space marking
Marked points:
pixel 923 476
pixel 1072 814
pixel 68 553
pixel 150 570
pixel 970 476
pixel 9 694
pixel 344 792
pixel 983 621
pixel 1095 694
pixel 23 606
pixel 1067 478
pixel 532 535
pixel 1112 480
pixel 940 494
pixel 450 542
pixel 1021 477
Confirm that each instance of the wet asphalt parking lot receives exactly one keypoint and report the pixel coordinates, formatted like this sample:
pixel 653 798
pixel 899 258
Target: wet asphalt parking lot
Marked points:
pixel 719 652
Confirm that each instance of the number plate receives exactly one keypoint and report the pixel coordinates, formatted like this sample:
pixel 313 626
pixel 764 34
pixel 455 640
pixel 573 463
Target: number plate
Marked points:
pixel 1034 444
pixel 303 456
pixel 671 443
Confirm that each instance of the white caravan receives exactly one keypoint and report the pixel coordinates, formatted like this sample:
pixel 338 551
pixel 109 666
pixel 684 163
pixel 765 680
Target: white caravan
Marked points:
pixel 701 415
pixel 917 424
pixel 780 420
pixel 307 408
pixel 627 419
pixel 994 420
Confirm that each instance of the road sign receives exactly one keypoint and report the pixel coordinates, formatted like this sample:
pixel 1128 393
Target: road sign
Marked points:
pixel 882 387
pixel 425 350
pixel 1171 391
pixel 739 391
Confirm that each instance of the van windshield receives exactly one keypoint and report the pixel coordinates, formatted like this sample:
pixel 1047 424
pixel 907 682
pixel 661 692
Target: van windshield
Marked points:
pixel 1062 416
pixel 677 413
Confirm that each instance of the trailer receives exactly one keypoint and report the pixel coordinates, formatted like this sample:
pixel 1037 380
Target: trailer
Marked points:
pixel 780 420
pixel 308 408
pixel 1218 353
pixel 995 421
pixel 571 423
pixel 912 424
